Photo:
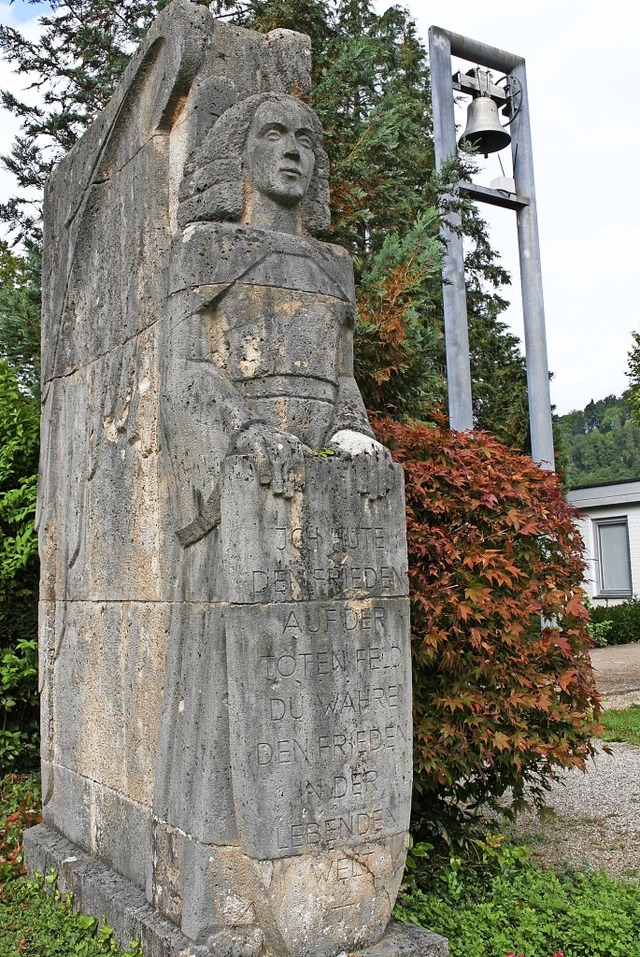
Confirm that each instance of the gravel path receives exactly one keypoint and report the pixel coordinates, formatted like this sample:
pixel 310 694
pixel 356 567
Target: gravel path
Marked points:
pixel 592 818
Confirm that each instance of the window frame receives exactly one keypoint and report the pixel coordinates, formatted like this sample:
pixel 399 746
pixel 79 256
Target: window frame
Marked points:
pixel 601 591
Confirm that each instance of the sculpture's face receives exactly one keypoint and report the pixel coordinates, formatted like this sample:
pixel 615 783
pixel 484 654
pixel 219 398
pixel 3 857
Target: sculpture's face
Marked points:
pixel 279 154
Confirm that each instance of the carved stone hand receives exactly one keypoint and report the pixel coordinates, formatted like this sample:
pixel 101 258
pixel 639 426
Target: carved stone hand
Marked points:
pixel 374 466
pixel 279 456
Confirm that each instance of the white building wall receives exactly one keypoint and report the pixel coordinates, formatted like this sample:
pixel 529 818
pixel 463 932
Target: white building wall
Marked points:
pixel 601 502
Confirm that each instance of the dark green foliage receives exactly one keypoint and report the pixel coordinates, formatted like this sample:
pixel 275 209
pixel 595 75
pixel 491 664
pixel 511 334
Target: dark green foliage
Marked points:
pixel 601 442
pixel 395 346
pixel 18 572
pixel 498 369
pixel 20 803
pixel 20 313
pixel 624 618
pixel 526 909
pixel 633 372
pixel 81 53
pixel 499 377
pixel 371 92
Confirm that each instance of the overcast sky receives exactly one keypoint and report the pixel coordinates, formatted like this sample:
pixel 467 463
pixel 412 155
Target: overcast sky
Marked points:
pixel 582 64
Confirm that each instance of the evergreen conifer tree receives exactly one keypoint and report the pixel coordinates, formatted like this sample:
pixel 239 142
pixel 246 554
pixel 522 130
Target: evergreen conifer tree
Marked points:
pixel 371 91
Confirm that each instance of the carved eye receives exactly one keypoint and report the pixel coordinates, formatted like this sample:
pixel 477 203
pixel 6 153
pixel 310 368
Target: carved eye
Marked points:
pixel 272 134
pixel 305 140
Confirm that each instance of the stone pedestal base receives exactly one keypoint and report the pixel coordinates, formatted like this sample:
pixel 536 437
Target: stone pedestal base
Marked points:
pixel 100 891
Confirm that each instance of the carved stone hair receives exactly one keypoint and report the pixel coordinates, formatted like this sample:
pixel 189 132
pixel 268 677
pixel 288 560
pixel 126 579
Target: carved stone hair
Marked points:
pixel 214 177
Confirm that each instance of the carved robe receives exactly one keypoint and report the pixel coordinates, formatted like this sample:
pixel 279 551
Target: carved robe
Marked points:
pixel 261 328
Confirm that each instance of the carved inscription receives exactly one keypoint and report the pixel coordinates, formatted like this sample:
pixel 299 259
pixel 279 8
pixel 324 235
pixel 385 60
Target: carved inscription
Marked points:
pixel 330 703
pixel 347 869
pixel 316 663
pixel 359 742
pixel 359 783
pixel 284 583
pixel 346 828
pixel 319 675
pixel 351 549
pixel 318 618
pixel 357 701
pixel 345 539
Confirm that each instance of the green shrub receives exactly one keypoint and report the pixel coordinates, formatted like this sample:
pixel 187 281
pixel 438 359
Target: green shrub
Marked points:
pixel 19 809
pixel 624 621
pixel 19 572
pixel 40 924
pixel 526 909
pixel 599 632
pixel 503 682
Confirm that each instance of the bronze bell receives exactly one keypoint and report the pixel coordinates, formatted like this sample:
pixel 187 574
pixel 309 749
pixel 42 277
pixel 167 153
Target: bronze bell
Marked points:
pixel 484 131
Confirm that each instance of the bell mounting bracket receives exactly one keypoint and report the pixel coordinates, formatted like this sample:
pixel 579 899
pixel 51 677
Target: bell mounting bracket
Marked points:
pixel 478 82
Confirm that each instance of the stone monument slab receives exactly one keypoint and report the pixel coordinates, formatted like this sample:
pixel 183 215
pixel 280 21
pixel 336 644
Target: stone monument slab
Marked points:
pixel 319 697
pixel 224 654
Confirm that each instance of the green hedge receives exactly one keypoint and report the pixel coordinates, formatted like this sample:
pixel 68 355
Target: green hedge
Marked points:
pixel 624 619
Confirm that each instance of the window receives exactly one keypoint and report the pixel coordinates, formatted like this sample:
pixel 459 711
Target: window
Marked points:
pixel 613 565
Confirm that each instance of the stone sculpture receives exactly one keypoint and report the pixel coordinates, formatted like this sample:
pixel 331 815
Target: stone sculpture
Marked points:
pixel 224 650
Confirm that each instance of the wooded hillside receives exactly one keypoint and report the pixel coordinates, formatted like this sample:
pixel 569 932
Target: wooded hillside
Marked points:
pixel 600 443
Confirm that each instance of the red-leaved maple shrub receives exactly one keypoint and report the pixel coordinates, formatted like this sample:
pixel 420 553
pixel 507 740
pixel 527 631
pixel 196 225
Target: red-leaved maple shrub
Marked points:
pixel 504 693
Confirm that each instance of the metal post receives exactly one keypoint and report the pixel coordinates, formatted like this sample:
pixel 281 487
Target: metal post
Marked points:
pixel 535 338
pixel 453 288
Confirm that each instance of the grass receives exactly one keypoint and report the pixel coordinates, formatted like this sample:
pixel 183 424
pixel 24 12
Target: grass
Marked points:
pixel 36 924
pixel 35 920
pixel 621 725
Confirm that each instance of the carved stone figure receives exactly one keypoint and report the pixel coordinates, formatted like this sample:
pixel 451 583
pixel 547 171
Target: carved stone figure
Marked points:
pixel 260 364
pixel 271 337
pixel 224 663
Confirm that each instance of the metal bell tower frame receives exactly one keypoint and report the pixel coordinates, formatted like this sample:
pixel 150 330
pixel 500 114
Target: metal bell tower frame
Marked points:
pixel 442 46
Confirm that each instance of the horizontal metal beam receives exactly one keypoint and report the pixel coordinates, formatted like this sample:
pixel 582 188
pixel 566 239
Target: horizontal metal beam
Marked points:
pixel 463 83
pixel 478 52
pixel 494 197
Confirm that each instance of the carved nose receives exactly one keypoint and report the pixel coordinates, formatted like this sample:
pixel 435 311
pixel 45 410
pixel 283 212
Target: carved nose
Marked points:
pixel 291 146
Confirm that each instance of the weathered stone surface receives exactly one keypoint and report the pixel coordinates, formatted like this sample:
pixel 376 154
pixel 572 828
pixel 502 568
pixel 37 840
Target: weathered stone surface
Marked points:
pixel 269 338
pixel 97 890
pixel 319 679
pixel 330 541
pixel 224 657
pixel 102 820
pixel 406 940
pixel 104 677
pixel 193 785
pixel 102 505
